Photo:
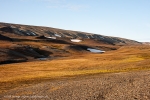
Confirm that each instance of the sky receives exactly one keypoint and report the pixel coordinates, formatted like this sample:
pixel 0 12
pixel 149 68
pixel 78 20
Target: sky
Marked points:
pixel 119 18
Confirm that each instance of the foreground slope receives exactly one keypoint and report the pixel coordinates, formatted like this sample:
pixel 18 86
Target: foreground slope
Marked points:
pixel 118 86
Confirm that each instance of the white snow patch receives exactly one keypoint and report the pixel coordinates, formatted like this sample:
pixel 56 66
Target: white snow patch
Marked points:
pixel 95 50
pixel 75 40
pixel 51 37
pixel 57 35
pixel 33 33
pixel 28 33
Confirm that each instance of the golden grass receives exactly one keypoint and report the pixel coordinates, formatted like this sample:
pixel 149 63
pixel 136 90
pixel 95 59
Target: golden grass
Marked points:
pixel 122 60
pixel 5 44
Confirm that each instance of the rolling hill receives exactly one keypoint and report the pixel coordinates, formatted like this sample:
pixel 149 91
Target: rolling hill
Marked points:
pixel 21 43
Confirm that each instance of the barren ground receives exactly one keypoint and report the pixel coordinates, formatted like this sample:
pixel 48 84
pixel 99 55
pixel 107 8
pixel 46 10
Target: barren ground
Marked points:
pixel 112 86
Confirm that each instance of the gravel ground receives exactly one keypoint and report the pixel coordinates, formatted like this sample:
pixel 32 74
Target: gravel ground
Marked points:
pixel 113 86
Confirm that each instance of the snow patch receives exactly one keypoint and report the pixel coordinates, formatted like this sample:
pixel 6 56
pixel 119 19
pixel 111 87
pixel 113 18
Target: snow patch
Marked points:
pixel 95 50
pixel 33 33
pixel 75 40
pixel 28 33
pixel 51 37
pixel 57 35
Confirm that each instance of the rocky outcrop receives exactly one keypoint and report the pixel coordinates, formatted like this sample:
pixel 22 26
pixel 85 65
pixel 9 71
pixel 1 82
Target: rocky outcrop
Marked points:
pixel 17 31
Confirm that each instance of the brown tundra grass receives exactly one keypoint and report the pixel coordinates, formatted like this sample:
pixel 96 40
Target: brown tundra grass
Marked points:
pixel 127 58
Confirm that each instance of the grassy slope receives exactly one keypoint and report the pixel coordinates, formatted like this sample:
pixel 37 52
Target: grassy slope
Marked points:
pixel 127 58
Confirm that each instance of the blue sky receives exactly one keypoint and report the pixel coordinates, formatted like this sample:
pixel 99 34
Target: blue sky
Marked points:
pixel 120 18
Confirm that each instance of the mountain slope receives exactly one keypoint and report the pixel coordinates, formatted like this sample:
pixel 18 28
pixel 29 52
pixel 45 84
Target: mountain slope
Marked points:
pixel 26 30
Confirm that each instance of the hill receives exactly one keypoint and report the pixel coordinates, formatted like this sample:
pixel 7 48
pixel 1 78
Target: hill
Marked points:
pixel 27 43
pixel 26 30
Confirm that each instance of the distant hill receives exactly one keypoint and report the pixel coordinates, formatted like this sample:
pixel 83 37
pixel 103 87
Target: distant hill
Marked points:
pixel 146 43
pixel 27 30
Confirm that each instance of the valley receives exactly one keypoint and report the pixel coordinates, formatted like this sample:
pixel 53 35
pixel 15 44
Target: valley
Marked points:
pixel 44 61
